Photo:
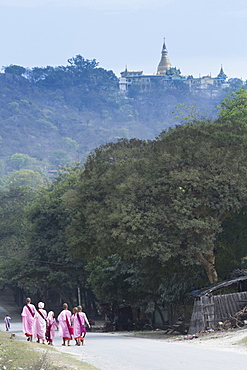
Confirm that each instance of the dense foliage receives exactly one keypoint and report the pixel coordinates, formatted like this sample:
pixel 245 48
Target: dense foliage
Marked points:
pixel 166 198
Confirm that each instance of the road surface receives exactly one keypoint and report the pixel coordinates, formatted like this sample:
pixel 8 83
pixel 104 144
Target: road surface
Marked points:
pixel 116 351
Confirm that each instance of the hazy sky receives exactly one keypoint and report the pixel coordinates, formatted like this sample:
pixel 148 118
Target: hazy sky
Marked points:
pixel 200 34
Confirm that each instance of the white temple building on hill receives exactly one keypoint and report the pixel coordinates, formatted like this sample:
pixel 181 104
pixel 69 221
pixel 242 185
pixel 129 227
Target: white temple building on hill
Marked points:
pixel 168 77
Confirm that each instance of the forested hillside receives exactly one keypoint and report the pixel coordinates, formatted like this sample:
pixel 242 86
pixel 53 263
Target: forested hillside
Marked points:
pixel 55 116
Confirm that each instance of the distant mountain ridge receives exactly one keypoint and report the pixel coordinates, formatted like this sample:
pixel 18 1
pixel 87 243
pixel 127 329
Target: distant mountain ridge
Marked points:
pixel 57 115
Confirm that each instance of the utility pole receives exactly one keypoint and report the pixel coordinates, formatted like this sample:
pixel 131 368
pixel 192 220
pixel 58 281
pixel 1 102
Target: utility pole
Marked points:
pixel 79 296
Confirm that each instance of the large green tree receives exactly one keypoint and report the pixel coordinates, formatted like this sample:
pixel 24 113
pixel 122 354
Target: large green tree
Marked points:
pixel 13 226
pixel 234 106
pixel 208 180
pixel 15 70
pixel 48 217
pixel 44 264
pixel 143 283
pixel 27 178
pixel 168 197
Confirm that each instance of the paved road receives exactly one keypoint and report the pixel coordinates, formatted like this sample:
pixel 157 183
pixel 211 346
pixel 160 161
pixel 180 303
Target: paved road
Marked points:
pixel 118 352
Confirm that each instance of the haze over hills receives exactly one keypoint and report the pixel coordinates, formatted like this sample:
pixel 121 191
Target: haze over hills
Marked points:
pixel 55 116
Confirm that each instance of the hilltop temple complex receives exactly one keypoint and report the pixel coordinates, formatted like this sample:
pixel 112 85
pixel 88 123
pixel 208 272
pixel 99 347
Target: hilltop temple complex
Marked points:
pixel 169 77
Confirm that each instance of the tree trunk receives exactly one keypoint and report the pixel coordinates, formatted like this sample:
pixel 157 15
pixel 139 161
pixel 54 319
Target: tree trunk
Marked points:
pixel 160 313
pixel 208 262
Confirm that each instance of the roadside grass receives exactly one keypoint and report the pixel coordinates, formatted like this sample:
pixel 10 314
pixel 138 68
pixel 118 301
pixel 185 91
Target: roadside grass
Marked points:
pixel 243 342
pixel 21 355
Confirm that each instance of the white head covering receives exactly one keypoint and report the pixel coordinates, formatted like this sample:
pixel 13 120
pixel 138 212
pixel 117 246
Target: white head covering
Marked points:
pixel 41 305
pixel 50 315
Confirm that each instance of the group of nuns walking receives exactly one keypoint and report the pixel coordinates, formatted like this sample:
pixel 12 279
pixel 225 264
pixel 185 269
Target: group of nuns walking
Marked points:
pixel 38 324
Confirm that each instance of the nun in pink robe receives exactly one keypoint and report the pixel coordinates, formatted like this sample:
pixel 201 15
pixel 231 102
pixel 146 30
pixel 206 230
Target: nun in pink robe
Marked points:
pixel 50 329
pixel 79 320
pixel 64 319
pixel 76 326
pixel 27 315
pixel 39 323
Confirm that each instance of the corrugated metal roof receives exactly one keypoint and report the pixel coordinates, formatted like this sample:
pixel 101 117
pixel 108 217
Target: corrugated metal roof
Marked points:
pixel 213 288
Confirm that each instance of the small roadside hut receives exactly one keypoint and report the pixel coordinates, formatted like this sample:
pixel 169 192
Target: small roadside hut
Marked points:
pixel 211 309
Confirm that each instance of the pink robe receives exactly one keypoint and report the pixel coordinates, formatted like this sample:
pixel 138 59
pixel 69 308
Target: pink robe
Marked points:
pixel 39 324
pixel 50 330
pixel 27 319
pixel 63 325
pixel 79 327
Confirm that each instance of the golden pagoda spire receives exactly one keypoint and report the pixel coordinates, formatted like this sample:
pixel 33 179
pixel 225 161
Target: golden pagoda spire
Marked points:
pixel 164 63
pixel 222 74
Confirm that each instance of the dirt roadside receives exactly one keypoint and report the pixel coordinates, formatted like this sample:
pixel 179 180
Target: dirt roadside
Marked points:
pixel 232 339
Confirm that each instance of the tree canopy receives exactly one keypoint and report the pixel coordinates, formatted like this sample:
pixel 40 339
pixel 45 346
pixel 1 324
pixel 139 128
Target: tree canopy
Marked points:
pixel 234 106
pixel 165 198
